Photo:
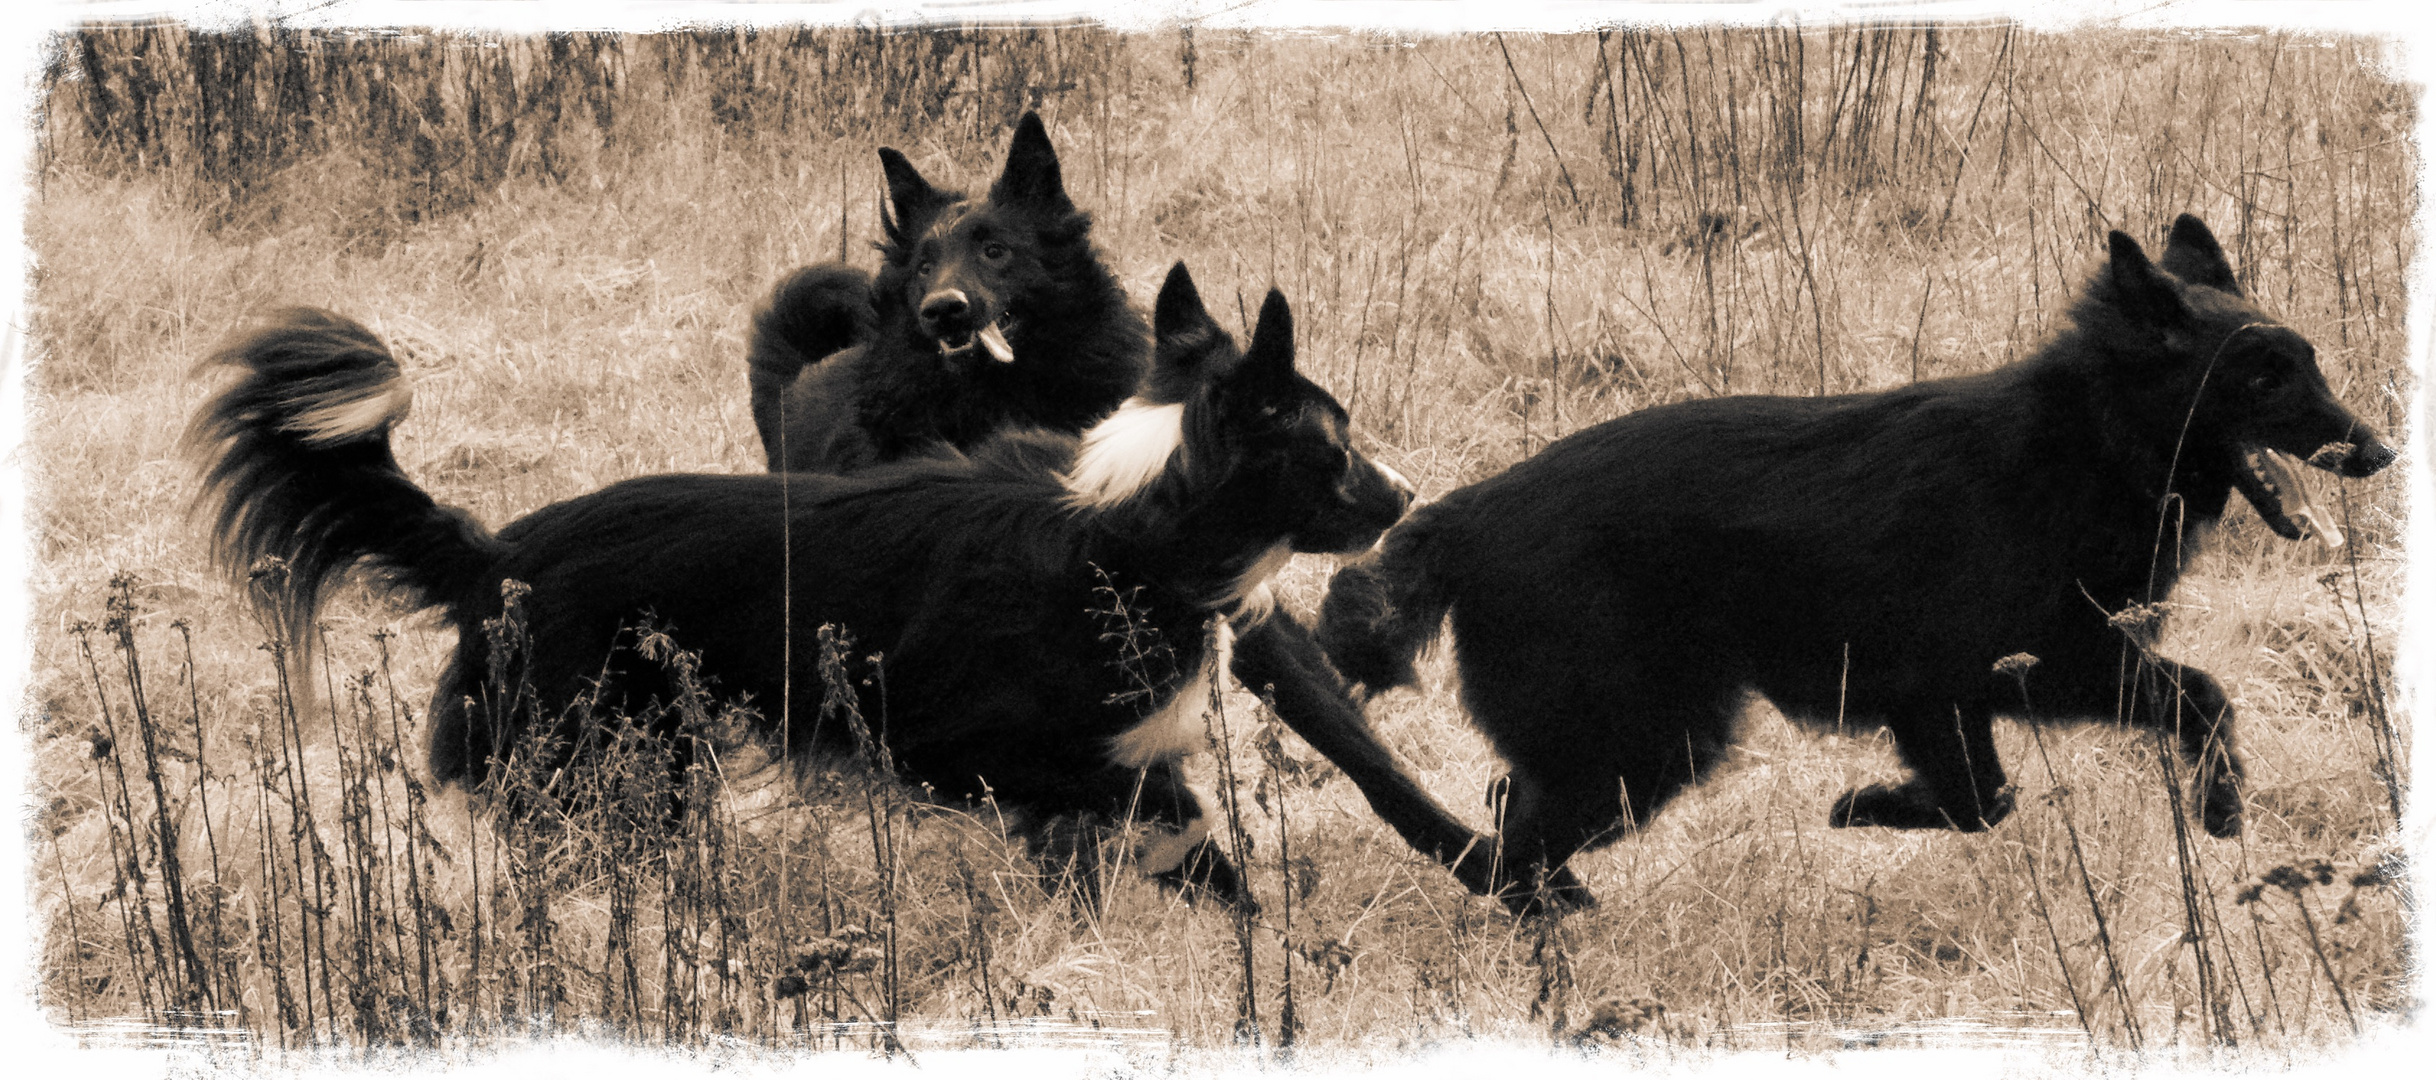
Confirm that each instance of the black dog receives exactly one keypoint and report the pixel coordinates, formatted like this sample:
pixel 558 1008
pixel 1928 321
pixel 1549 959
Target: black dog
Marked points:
pixel 1865 558
pixel 986 312
pixel 998 312
pixel 1006 588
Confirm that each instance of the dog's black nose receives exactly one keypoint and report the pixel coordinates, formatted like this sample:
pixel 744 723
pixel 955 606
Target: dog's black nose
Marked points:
pixel 2371 456
pixel 945 305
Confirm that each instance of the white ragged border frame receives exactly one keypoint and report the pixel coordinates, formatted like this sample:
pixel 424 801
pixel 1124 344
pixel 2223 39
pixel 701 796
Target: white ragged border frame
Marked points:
pixel 42 1051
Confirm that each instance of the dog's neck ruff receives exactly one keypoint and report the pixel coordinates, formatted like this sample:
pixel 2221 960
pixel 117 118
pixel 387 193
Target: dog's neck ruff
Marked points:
pixel 1123 454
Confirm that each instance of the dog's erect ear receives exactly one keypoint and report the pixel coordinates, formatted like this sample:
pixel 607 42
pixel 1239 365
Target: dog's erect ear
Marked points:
pixel 1186 340
pixel 2192 254
pixel 1032 177
pixel 912 195
pixel 1272 351
pixel 2140 290
pixel 1179 310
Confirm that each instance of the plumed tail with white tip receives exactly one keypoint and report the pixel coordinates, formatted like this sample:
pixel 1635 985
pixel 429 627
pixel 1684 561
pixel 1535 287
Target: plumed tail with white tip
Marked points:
pixel 299 484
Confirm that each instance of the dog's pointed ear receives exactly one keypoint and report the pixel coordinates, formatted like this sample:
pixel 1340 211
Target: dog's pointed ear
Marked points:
pixel 1179 309
pixel 2192 254
pixel 2140 289
pixel 911 195
pixel 1272 350
pixel 1032 177
pixel 1187 341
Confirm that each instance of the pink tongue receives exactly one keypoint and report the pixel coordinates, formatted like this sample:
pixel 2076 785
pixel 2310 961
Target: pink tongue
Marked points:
pixel 2320 523
pixel 2291 494
pixel 996 343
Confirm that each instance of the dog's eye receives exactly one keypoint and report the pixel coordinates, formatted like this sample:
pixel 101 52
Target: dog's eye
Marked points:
pixel 993 252
pixel 2266 382
pixel 925 266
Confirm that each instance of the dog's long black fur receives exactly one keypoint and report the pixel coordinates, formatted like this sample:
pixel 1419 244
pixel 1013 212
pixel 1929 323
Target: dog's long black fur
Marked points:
pixel 1863 559
pixel 990 581
pixel 849 370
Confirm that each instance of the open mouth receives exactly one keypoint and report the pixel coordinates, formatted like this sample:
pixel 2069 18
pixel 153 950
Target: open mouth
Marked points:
pixel 2268 480
pixel 991 339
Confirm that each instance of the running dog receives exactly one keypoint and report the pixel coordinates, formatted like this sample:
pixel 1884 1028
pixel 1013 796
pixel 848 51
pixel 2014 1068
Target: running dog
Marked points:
pixel 998 312
pixel 1050 608
pixel 1883 558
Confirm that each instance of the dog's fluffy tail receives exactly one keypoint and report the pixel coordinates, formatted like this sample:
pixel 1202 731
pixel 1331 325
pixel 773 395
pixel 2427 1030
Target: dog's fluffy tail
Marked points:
pixel 1385 607
pixel 299 484
pixel 814 311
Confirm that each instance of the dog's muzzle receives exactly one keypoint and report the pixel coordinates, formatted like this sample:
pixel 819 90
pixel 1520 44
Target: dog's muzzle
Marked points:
pixel 947 317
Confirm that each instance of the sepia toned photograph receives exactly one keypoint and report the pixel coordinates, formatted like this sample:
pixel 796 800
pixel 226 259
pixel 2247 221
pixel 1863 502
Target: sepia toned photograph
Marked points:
pixel 1110 543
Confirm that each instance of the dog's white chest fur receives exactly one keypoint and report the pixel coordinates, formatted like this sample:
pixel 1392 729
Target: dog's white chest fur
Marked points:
pixel 1178 729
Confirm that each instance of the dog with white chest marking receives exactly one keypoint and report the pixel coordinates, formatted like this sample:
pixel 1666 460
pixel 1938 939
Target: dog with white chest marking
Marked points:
pixel 997 311
pixel 1051 609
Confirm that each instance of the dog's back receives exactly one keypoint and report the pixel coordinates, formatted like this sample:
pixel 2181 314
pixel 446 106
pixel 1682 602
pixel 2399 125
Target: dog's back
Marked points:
pixel 945 563
pixel 1754 539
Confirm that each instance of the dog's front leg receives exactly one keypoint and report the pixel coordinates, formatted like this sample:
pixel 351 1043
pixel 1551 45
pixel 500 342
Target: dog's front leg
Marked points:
pixel 2131 685
pixel 2189 704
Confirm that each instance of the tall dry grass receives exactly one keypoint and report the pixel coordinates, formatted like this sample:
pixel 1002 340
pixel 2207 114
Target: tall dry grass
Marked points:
pixel 1490 241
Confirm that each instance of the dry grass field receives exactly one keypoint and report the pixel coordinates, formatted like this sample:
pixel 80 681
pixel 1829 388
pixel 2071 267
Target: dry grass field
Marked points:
pixel 1489 241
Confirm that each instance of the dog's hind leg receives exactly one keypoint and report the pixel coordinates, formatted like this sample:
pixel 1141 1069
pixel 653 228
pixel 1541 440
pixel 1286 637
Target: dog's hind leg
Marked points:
pixel 1551 811
pixel 1277 657
pixel 1957 781
pixel 1570 794
pixel 1182 854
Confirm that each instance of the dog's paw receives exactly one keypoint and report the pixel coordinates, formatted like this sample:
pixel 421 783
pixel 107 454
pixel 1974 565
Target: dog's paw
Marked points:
pixel 2220 811
pixel 1998 807
pixel 1206 873
pixel 1560 895
pixel 1885 807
